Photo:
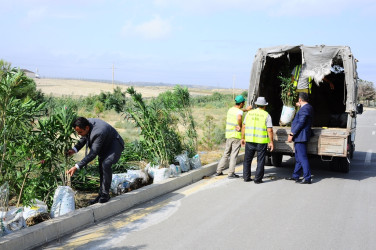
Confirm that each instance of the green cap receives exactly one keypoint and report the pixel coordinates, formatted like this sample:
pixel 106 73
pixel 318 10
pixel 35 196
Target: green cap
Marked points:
pixel 239 99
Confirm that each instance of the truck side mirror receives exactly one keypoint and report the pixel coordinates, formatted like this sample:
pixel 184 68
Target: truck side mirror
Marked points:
pixel 359 109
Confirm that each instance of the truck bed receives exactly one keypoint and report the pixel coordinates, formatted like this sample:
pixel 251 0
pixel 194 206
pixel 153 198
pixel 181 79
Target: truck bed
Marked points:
pixel 325 141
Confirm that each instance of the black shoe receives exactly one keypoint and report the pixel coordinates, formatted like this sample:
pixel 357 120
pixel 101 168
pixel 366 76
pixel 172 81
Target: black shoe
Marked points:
pixel 292 179
pixel 247 180
pixel 104 198
pixel 258 181
pixel 95 200
pixel 231 176
pixel 304 181
pixel 218 174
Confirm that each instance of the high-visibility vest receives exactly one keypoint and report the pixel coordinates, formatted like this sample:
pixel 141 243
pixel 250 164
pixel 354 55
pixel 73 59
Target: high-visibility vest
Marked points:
pixel 255 126
pixel 296 79
pixel 231 123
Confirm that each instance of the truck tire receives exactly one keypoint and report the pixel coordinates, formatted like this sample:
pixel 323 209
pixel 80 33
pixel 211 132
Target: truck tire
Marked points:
pixel 277 160
pixel 268 160
pixel 352 149
pixel 340 164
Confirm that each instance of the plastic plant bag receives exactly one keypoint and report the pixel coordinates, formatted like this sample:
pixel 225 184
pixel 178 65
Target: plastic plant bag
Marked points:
pixel 63 201
pixel 132 175
pixel 287 115
pixel 11 220
pixel 150 169
pixel 116 180
pixel 175 170
pixel 161 174
pixel 195 162
pixel 38 207
pixel 183 161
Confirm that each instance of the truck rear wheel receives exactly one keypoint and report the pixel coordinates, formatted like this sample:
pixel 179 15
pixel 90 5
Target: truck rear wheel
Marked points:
pixel 352 149
pixel 340 164
pixel 277 160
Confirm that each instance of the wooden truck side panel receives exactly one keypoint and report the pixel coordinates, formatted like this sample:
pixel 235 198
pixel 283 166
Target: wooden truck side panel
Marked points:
pixel 325 142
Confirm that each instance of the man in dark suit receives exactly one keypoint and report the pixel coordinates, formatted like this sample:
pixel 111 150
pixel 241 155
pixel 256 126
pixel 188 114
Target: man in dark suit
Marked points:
pixel 103 141
pixel 300 134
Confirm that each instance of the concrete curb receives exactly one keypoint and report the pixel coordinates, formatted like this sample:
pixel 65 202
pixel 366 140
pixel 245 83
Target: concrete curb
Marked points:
pixel 53 229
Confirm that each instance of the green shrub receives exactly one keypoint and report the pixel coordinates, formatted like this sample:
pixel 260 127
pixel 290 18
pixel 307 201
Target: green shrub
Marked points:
pixel 98 107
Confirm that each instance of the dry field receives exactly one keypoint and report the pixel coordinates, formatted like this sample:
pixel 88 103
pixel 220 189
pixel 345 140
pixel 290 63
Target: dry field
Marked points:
pixel 77 88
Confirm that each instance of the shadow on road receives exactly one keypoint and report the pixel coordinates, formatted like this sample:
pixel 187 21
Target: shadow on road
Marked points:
pixel 362 167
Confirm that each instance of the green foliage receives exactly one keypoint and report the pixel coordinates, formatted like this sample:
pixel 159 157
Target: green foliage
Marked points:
pixel 17 117
pixel 54 103
pixel 208 136
pixel 216 100
pixel 288 93
pixel 4 67
pixel 162 142
pixel 133 154
pixel 55 134
pixel 32 149
pixel 98 107
pixel 178 103
pixel 219 134
pixel 159 121
pixel 115 100
pixel 87 179
pixel 245 94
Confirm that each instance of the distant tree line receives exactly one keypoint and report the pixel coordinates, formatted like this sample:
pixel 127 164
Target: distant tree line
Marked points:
pixel 366 91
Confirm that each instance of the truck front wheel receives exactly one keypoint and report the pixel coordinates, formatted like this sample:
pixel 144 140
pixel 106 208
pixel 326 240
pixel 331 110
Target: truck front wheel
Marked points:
pixel 277 159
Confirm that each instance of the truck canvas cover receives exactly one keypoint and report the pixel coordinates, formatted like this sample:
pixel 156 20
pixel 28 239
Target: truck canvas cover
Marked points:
pixel 319 61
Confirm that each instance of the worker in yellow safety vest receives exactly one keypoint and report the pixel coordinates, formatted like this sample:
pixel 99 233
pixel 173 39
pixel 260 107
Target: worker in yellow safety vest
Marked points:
pixel 257 136
pixel 233 137
pixel 297 77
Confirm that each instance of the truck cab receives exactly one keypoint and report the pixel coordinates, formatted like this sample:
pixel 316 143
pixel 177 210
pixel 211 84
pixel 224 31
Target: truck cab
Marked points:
pixel 333 96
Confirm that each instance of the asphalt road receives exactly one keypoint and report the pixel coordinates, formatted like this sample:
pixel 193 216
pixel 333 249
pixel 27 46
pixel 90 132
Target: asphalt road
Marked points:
pixel 337 211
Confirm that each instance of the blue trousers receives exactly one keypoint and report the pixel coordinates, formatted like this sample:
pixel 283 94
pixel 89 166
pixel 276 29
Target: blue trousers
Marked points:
pixel 250 150
pixel 301 161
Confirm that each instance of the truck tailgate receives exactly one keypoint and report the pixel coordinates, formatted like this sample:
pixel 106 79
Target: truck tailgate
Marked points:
pixel 325 141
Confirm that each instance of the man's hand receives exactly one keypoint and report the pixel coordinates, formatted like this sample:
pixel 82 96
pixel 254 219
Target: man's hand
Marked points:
pixel 271 146
pixel 248 108
pixel 289 138
pixel 238 128
pixel 70 152
pixel 71 171
pixel 242 142
pixel 331 85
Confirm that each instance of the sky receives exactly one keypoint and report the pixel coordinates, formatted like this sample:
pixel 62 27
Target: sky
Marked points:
pixel 186 42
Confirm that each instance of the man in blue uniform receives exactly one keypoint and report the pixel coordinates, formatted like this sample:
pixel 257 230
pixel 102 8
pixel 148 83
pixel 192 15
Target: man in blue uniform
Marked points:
pixel 300 134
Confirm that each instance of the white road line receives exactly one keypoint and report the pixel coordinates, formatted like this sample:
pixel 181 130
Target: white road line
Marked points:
pixel 367 160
